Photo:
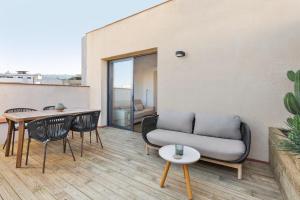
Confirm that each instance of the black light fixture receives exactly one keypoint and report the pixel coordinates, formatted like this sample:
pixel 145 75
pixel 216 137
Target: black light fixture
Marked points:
pixel 180 54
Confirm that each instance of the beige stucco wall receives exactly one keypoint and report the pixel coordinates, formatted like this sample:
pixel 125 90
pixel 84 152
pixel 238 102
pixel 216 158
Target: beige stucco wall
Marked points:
pixel 39 96
pixel 237 55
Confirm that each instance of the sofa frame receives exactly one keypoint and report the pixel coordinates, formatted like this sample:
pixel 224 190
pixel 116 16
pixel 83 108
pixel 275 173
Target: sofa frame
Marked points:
pixel 149 124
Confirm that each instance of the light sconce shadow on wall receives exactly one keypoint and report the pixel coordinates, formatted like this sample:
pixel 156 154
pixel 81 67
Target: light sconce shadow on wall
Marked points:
pixel 180 54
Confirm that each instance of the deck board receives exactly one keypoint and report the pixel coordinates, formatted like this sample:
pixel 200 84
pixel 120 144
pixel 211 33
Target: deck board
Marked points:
pixel 122 170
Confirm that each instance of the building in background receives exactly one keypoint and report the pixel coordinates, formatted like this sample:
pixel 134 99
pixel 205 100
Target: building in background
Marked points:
pixel 20 77
pixel 52 79
pixel 75 80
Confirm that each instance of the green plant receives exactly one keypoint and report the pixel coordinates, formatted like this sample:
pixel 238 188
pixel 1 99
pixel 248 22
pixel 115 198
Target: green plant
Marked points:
pixel 293 144
pixel 292 104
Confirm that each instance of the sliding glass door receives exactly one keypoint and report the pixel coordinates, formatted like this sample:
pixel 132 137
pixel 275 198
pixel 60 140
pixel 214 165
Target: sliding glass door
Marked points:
pixel 120 97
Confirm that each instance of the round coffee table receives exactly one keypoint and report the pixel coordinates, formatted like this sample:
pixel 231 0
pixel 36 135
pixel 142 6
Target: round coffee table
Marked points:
pixel 190 155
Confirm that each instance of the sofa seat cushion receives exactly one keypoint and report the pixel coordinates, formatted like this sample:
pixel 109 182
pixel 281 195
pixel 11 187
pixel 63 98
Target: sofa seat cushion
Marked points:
pixel 221 126
pixel 212 147
pixel 176 121
pixel 143 113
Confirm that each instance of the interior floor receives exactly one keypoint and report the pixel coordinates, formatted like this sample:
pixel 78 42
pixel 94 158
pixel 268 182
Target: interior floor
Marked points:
pixel 137 127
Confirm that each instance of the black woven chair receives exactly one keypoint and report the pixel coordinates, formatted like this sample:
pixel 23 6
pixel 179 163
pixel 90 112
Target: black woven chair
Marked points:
pixel 86 122
pixel 49 108
pixel 16 127
pixel 47 130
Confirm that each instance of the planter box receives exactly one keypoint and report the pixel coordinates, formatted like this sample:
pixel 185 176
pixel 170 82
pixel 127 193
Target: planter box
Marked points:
pixel 285 166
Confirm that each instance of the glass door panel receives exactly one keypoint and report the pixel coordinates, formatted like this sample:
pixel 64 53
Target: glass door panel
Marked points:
pixel 121 93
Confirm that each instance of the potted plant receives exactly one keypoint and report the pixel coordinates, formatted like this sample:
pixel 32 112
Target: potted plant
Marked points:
pixel 292 104
pixel 60 107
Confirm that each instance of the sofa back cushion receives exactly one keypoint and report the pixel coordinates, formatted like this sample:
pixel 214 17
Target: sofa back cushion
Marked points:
pixel 218 126
pixel 176 121
pixel 138 105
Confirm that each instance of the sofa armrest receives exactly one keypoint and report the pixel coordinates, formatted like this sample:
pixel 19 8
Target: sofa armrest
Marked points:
pixel 150 107
pixel 246 138
pixel 148 124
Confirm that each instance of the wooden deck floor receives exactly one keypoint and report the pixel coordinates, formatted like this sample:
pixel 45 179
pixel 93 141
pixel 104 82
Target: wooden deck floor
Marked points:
pixel 122 171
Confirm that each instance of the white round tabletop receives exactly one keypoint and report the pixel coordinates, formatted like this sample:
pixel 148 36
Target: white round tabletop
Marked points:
pixel 190 155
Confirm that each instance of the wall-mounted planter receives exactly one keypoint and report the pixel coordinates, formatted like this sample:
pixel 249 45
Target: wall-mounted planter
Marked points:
pixel 286 166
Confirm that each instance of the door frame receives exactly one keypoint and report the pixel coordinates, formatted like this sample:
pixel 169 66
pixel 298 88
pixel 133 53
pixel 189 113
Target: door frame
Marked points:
pixel 109 60
pixel 110 95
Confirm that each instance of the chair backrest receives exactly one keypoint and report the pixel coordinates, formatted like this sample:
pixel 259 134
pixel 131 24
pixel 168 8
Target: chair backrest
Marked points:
pixel 13 110
pixel 86 121
pixel 49 108
pixel 51 128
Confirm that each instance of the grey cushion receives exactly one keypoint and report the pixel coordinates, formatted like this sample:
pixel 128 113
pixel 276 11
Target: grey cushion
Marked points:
pixel 176 121
pixel 138 105
pixel 218 126
pixel 212 147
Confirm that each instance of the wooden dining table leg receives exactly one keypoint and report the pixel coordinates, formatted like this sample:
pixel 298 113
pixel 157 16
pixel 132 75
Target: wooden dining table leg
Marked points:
pixel 9 135
pixel 20 144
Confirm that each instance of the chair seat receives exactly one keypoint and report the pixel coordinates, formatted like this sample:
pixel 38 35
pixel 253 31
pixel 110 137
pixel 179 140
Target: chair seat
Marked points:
pixel 212 147
pixel 81 128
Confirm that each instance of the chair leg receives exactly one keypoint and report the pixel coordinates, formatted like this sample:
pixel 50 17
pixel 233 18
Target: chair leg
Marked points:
pixel 90 137
pixel 70 149
pixel 97 140
pixel 6 142
pixel 13 143
pixel 45 155
pixel 147 149
pixel 81 134
pixel 97 135
pixel 27 153
pixel 64 145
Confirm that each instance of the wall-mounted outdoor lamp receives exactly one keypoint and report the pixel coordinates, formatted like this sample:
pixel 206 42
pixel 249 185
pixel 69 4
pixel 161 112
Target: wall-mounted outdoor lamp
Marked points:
pixel 180 54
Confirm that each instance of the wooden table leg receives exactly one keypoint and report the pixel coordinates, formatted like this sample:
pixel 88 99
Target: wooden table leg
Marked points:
pixel 165 173
pixel 187 181
pixel 8 138
pixel 20 144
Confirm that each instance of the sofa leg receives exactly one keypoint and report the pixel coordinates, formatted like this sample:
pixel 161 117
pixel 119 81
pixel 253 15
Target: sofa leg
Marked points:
pixel 147 149
pixel 240 171
pixel 237 166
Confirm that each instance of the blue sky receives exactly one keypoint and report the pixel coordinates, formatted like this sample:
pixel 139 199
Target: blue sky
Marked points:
pixel 45 36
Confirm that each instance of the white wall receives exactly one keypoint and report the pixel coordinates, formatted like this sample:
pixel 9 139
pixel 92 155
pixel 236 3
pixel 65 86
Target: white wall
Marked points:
pixel 238 53
pixel 83 61
pixel 144 77
pixel 3 131
pixel 39 96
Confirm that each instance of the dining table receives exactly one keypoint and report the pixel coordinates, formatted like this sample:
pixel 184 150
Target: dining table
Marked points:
pixel 24 117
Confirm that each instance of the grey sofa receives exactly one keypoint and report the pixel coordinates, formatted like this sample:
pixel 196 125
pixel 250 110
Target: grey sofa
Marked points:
pixel 222 140
pixel 140 111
